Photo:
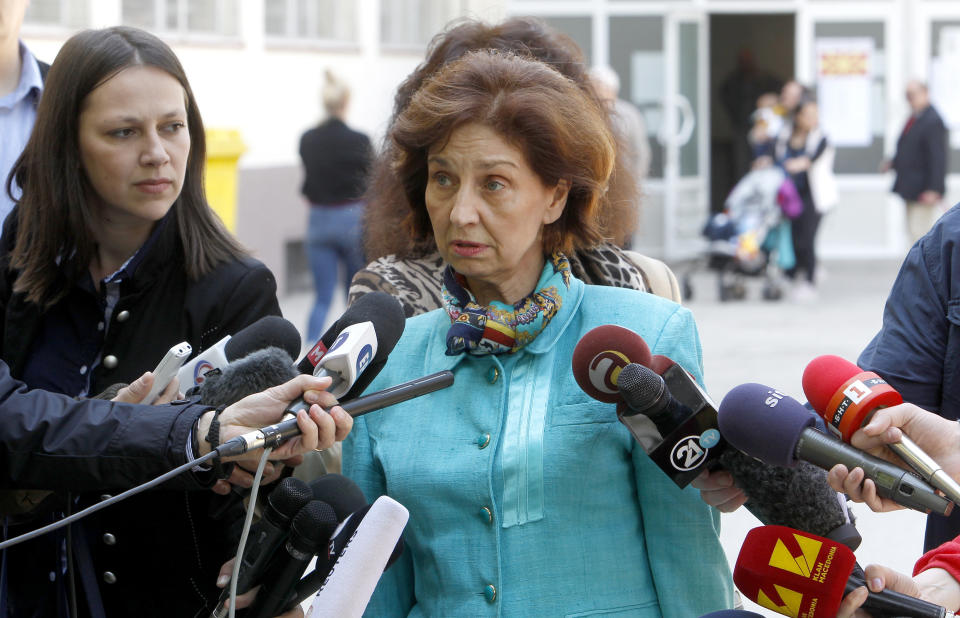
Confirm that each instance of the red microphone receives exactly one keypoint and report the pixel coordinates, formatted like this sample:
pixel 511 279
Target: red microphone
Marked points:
pixel 846 397
pixel 796 573
pixel 600 355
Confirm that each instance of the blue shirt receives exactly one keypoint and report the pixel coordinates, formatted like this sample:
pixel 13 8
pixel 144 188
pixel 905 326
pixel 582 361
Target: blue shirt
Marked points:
pixel 18 111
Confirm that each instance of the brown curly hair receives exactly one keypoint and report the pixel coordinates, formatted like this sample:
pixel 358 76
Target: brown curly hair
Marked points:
pixel 387 205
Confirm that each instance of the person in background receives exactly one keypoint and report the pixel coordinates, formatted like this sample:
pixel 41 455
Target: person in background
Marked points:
pixel 411 269
pixel 526 496
pixel 21 82
pixel 627 120
pixel 110 257
pixel 920 162
pixel 336 160
pixel 797 152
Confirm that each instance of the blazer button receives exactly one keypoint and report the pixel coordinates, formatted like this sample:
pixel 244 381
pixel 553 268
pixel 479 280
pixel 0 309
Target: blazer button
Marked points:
pixel 483 440
pixel 109 577
pixel 490 593
pixel 109 539
pixel 493 375
pixel 110 361
pixel 486 515
pixel 123 316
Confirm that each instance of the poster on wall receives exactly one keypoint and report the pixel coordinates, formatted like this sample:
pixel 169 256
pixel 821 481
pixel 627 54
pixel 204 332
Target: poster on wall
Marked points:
pixel 844 73
pixel 944 85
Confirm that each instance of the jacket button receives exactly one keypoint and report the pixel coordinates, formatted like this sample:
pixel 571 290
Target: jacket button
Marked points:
pixel 123 316
pixel 490 593
pixel 483 440
pixel 493 375
pixel 109 577
pixel 109 539
pixel 486 515
pixel 110 361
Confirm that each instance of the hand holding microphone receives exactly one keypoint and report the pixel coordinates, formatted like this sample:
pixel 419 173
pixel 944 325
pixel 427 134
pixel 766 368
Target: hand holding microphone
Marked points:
pixel 847 397
pixel 936 586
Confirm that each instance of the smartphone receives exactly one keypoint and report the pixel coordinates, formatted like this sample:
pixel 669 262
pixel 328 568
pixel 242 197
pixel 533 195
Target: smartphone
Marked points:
pixel 167 370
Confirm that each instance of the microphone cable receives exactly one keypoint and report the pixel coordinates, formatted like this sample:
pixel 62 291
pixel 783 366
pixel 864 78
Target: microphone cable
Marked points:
pixel 247 523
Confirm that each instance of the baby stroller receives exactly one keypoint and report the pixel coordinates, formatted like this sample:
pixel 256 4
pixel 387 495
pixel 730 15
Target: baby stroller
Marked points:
pixel 751 237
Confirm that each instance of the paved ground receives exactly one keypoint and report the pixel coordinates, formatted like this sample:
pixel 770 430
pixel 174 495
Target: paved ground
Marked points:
pixel 753 340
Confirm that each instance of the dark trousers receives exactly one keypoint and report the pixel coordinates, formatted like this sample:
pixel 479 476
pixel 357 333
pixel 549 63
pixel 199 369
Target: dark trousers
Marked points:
pixel 803 232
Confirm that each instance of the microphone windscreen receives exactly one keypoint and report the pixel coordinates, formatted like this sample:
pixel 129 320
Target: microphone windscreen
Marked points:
pixel 342 494
pixel 383 310
pixel 268 331
pixel 823 376
pixel 764 423
pixel 251 374
pixel 600 355
pixel 660 363
pixel 289 496
pixel 312 526
pixel 798 497
pixel 792 572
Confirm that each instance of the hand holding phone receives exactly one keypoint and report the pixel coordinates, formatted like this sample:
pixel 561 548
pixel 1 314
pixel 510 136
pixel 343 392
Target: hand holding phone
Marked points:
pixel 167 370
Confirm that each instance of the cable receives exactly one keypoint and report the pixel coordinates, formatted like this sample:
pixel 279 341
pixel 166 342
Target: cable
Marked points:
pixel 247 522
pixel 102 505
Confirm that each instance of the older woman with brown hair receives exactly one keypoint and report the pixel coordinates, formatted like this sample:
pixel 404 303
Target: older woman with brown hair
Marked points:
pixel 409 267
pixel 503 162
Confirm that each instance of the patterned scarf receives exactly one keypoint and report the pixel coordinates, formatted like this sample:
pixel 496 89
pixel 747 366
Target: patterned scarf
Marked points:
pixel 501 327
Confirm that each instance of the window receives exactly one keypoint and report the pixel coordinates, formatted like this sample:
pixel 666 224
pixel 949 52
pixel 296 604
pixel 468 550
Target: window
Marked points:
pixel 214 18
pixel 70 14
pixel 412 23
pixel 332 21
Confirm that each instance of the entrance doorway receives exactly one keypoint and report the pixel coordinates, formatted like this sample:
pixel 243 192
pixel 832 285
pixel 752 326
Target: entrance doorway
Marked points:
pixel 749 54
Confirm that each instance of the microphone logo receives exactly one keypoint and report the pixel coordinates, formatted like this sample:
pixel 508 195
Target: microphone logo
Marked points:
pixel 687 453
pixel 788 603
pixel 856 391
pixel 365 356
pixel 200 370
pixel 316 353
pixel 783 558
pixel 336 344
pixel 605 369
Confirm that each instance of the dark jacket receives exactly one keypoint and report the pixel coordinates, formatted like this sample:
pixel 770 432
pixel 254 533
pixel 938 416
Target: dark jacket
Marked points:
pixel 162 548
pixel 336 160
pixel 921 158
pixel 918 347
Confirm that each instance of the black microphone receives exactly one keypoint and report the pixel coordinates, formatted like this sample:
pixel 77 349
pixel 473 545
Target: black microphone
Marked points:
pixel 799 497
pixel 283 504
pixel 341 493
pixel 776 428
pixel 268 331
pixel 251 374
pixel 385 313
pixel 275 435
pixel 309 533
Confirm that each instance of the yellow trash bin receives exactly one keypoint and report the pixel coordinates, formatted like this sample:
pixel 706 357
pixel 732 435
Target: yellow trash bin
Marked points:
pixel 224 147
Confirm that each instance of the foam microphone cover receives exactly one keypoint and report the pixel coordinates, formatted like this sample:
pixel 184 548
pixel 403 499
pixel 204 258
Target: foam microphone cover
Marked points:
pixel 660 363
pixel 799 497
pixel 823 376
pixel 763 423
pixel 793 573
pixel 341 493
pixel 251 374
pixel 600 355
pixel 268 331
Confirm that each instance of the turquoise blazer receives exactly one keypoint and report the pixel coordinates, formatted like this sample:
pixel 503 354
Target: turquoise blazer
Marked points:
pixel 526 496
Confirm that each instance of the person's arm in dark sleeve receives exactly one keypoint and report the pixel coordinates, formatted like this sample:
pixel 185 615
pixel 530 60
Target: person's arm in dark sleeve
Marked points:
pixel 52 441
pixel 937 170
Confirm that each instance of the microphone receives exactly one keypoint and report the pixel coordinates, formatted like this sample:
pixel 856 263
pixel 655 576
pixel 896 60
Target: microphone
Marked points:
pixel 251 374
pixel 342 494
pixel 601 354
pixel 798 497
pixel 799 574
pixel 277 434
pixel 847 396
pixel 283 504
pixel 309 532
pixel 746 421
pixel 270 330
pixel 357 567
pixel 379 308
